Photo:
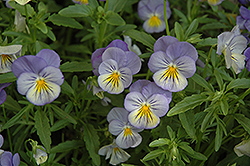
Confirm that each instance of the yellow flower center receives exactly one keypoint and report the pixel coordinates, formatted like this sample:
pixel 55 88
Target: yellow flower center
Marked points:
pixel 127 132
pixel 113 79
pixel 145 112
pixel 85 2
pixel 116 149
pixel 41 85
pixel 154 21
pixel 6 58
pixel 171 72
pixel 213 2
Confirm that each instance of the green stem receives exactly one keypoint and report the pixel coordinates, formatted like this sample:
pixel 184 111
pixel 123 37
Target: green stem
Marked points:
pixel 207 60
pixel 148 74
pixel 8 131
pixel 166 18
pixel 106 7
pixel 102 31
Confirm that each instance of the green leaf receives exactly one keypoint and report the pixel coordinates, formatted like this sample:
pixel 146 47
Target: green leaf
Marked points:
pixel 42 27
pixel 181 15
pixel 202 82
pixel 21 8
pixel 185 146
pixel 67 146
pixel 142 37
pixel 153 154
pixel 214 25
pixel 67 89
pixel 218 136
pixel 113 18
pixel 76 11
pixel 192 28
pixel 116 5
pixel 63 114
pixel 51 35
pixel 239 83
pixel 224 106
pixel 76 67
pixel 198 156
pixel 207 119
pixel 187 121
pixel 43 128
pixel 178 31
pixel 7 77
pixel 41 45
pixel 18 34
pixel 64 21
pixel 59 124
pixel 159 142
pixel 92 142
pixel 187 103
pixel 11 104
pixel 244 121
pixel 207 42
pixel 17 117
pixel 218 78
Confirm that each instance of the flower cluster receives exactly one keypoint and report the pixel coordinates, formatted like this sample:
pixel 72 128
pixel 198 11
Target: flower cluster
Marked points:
pixel 6 158
pixel 232 44
pixel 114 66
pixel 39 77
pixel 244 19
pixel 172 62
pixel 152 12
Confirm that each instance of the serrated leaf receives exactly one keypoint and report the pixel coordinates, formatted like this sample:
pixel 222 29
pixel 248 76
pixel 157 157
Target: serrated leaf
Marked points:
pixel 92 142
pixel 21 8
pixel 43 128
pixel 113 18
pixel 159 142
pixel 244 121
pixel 239 83
pixel 63 114
pixel 153 154
pixel 67 146
pixel 64 21
pixel 187 103
pixel 142 37
pixel 76 67
pixel 76 11
pixel 7 77
pixel 202 82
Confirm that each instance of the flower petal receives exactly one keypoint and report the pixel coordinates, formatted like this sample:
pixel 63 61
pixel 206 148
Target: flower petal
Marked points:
pixel 144 12
pixel 116 54
pixel 158 104
pixel 240 21
pixel 96 60
pixel 52 74
pixel 186 66
pixel 223 40
pixel 133 101
pixel 1 140
pixel 133 62
pixel 118 43
pixel 138 85
pixel 6 159
pixel 152 88
pixel 247 25
pixel 163 42
pixel 154 28
pixel 50 56
pixel 167 82
pixel 16 159
pixel 3 96
pixel 108 83
pixel 25 81
pixel 247 53
pixel 126 76
pixel 158 60
pixel 116 127
pixel 28 63
pixel 12 49
pixel 125 140
pixel 118 156
pixel 238 44
pixel 118 114
pixel 238 62
pixel 245 13
pixel 44 94
pixel 6 62
pixel 176 50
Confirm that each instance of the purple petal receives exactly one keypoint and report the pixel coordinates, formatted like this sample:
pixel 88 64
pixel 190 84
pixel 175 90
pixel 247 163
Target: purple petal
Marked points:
pixel 50 56
pixel 116 127
pixel 152 89
pixel 128 140
pixel 6 159
pixel 133 101
pixel 108 66
pixel 116 54
pixel 247 53
pixel 96 60
pixel 158 104
pixel 241 22
pixel 133 62
pixel 1 140
pixel 153 28
pixel 144 12
pixel 245 13
pixel 158 60
pixel 138 85
pixel 25 81
pixel 3 96
pixel 176 50
pixel 163 42
pixel 52 74
pixel 247 25
pixel 118 114
pixel 186 66
pixel 28 63
pixel 118 43
pixel 16 159
pixel 126 76
pixel 248 65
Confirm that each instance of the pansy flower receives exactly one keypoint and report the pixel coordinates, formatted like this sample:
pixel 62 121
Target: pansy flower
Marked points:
pixel 85 2
pixel 172 62
pixel 244 2
pixel 116 69
pixel 1 144
pixel 146 103
pixel 3 94
pixel 232 44
pixel 8 160
pixel 39 77
pixel 96 58
pixel 214 2
pixel 8 54
pixel 152 12
pixel 127 135
pixel 117 154
pixel 244 19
